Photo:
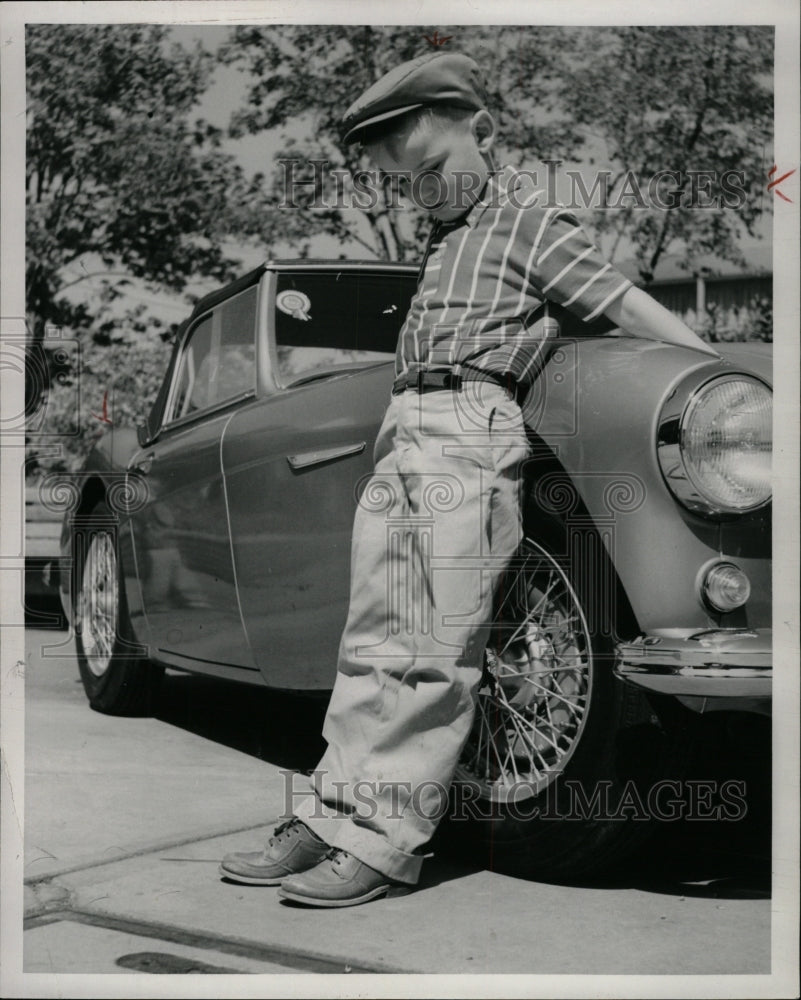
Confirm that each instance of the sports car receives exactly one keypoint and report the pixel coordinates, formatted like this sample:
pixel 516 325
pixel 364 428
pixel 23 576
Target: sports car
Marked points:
pixel 215 539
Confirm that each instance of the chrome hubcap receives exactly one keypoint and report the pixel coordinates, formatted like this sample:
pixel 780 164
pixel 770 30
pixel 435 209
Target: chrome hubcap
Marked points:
pixel 533 698
pixel 96 617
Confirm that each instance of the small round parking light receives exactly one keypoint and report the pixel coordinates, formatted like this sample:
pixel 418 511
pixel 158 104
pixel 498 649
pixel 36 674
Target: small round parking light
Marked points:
pixel 726 587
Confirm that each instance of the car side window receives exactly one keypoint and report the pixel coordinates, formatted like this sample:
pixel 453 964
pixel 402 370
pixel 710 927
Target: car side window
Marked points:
pixel 236 367
pixel 218 362
pixel 193 372
pixel 328 319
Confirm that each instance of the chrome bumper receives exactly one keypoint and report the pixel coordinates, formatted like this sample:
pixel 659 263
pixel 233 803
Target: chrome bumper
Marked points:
pixel 714 663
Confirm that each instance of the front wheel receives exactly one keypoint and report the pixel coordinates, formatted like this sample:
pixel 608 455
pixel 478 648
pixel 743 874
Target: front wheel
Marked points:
pixel 554 779
pixel 117 677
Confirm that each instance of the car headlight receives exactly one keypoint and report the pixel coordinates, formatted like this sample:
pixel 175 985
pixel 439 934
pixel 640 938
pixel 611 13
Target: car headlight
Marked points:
pixel 716 455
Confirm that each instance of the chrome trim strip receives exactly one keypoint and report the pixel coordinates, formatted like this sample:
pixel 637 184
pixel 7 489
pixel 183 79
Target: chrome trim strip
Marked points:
pixel 731 686
pixel 266 357
pixel 714 663
pixel 365 266
pixel 210 411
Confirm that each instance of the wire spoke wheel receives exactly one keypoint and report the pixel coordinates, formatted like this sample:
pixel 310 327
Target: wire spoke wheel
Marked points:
pixel 97 618
pixel 117 674
pixel 534 696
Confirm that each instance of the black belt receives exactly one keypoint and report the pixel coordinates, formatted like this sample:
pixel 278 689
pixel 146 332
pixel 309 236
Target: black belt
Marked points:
pixel 429 380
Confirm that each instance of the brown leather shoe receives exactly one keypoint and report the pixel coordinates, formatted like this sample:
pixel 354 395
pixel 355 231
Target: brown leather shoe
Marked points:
pixel 292 848
pixel 340 880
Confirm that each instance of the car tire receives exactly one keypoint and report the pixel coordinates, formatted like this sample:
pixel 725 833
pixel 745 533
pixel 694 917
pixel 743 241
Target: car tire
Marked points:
pixel 570 783
pixel 117 676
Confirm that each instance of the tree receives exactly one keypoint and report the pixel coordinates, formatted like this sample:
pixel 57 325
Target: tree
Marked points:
pixel 676 99
pixel 124 184
pixel 673 98
pixel 305 76
pixel 121 181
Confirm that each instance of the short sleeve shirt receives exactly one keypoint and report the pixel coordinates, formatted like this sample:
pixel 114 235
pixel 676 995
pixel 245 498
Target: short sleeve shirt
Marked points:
pixel 486 275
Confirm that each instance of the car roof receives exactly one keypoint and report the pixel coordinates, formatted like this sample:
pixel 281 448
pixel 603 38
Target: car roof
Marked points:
pixel 292 263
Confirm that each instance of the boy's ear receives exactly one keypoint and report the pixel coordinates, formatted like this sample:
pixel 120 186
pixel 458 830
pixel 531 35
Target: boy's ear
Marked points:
pixel 483 127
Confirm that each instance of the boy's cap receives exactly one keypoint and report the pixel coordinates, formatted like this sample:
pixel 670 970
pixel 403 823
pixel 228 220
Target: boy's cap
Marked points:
pixel 435 78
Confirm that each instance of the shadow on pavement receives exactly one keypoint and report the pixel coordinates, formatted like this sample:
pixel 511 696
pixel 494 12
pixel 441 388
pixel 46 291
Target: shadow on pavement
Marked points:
pixel 284 728
pixel 710 857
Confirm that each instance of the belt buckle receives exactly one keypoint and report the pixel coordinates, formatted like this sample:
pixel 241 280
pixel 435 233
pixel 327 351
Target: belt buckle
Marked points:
pixel 439 379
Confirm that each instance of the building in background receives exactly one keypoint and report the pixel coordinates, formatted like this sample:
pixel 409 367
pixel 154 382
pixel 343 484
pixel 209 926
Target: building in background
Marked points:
pixel 716 296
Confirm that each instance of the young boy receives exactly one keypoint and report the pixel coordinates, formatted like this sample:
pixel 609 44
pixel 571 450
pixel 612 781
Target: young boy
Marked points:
pixel 448 459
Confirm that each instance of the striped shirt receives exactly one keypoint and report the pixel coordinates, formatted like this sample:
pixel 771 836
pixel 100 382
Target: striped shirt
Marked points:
pixel 486 275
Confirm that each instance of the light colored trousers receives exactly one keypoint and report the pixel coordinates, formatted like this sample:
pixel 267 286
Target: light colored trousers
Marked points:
pixel 435 526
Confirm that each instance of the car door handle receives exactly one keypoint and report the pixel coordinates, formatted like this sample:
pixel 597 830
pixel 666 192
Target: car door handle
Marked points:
pixel 143 466
pixel 306 458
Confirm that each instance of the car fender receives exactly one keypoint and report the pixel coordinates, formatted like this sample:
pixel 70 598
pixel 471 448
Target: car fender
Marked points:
pixel 102 476
pixel 597 411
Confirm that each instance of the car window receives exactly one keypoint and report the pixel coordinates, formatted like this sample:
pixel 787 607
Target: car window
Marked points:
pixel 235 371
pixel 193 372
pixel 218 361
pixel 332 318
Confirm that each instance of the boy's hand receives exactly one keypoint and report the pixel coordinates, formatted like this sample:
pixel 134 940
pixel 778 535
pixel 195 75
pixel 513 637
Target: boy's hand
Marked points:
pixel 637 313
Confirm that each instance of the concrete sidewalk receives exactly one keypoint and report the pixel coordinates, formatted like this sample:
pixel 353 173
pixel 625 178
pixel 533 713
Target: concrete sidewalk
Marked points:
pixel 457 921
pixel 99 787
pixel 127 819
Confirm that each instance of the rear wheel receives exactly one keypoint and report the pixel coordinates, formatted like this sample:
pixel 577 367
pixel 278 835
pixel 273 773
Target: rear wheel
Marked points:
pixel 556 776
pixel 117 677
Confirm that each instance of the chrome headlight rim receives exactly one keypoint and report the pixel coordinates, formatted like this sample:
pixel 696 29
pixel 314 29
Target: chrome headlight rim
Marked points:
pixel 706 593
pixel 670 451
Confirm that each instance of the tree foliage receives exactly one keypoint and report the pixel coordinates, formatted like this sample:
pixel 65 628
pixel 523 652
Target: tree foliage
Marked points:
pixel 127 186
pixel 122 181
pixel 671 98
pixel 125 183
pixel 678 99
pixel 305 76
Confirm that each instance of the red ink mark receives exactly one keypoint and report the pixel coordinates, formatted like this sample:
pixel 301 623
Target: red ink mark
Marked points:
pixel 104 417
pixel 436 39
pixel 778 181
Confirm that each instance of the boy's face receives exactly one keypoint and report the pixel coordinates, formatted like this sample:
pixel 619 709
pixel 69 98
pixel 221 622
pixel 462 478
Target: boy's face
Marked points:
pixel 441 164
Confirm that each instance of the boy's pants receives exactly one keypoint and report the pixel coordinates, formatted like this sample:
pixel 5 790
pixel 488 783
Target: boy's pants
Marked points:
pixel 435 526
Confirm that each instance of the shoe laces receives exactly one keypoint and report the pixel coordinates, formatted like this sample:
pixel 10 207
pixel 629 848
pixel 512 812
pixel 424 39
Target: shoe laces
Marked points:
pixel 336 855
pixel 286 830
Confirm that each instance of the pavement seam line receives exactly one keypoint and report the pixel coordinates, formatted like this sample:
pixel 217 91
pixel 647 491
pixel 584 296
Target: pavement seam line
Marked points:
pixel 60 900
pixel 153 848
pixel 241 947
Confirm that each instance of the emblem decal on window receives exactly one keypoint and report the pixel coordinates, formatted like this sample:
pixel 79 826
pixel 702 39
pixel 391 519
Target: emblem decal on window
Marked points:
pixel 295 304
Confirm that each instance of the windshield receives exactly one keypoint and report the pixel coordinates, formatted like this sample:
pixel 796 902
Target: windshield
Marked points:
pixel 327 319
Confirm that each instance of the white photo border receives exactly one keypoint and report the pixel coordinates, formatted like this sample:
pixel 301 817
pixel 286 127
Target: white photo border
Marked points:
pixel 784 15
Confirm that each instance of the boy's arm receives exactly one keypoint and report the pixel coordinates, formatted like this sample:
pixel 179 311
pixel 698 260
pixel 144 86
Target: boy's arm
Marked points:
pixel 637 313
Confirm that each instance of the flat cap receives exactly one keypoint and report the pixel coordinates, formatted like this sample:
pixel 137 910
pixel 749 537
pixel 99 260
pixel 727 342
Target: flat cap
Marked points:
pixel 435 78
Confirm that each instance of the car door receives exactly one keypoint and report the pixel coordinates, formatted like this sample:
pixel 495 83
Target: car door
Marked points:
pixel 181 537
pixel 294 461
